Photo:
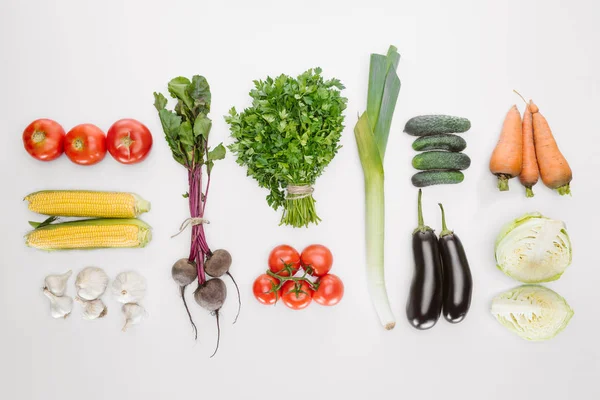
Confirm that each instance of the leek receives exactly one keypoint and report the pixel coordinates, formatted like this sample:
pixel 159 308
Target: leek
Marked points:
pixel 371 133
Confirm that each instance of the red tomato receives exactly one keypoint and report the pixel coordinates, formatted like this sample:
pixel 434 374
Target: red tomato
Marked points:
pixel 281 256
pixel 317 259
pixel 128 141
pixel 296 295
pixel 263 289
pixel 85 144
pixel 44 139
pixel 330 290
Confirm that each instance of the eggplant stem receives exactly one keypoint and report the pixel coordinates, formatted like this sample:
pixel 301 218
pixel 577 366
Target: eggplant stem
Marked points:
pixel 420 211
pixel 445 231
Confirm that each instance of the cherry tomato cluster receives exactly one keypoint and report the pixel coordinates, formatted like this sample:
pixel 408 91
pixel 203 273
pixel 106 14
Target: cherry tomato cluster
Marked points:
pixel 127 140
pixel 298 279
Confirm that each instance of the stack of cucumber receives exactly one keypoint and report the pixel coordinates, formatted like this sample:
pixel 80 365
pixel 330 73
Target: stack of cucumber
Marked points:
pixel 441 160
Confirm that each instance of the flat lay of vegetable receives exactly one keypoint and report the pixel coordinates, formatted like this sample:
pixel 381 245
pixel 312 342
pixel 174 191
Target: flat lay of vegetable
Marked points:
pixel 457 280
pixel 441 160
pixel 85 203
pixel 428 178
pixel 89 234
pixel 426 125
pixel 533 249
pixel 113 222
pixel 533 312
pixel 425 299
pixel 444 141
pixel 507 158
pixel 128 141
pixel 554 168
pixel 371 133
pixel 187 131
pixel 298 279
pixel 530 172
pixel 44 139
pixel 527 149
pixel 91 283
pixel 85 144
pixel 287 137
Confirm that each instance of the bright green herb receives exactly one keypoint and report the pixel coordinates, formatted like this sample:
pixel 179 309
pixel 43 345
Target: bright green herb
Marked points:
pixel 371 133
pixel 287 138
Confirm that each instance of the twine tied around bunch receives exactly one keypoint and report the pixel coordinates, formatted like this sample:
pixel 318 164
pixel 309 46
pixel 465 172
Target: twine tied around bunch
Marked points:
pixel 295 192
pixel 192 221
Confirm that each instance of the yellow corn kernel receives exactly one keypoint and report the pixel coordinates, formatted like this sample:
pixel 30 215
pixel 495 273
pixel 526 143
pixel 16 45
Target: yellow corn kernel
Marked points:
pixel 90 234
pixel 80 203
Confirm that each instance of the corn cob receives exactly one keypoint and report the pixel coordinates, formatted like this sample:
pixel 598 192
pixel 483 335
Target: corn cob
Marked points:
pixel 81 203
pixel 90 234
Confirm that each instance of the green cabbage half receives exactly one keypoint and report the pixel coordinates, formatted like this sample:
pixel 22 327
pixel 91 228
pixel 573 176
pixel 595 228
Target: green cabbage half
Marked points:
pixel 533 312
pixel 533 249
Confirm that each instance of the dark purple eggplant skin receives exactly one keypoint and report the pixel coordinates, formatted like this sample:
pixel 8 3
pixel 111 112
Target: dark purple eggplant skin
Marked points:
pixel 458 282
pixel 425 298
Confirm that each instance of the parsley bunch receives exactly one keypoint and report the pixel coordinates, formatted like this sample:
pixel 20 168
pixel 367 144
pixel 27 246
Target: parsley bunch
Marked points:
pixel 287 138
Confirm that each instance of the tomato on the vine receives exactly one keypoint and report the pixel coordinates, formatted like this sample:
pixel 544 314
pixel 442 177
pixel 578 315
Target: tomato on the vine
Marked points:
pixel 44 139
pixel 282 256
pixel 330 290
pixel 85 144
pixel 316 259
pixel 129 141
pixel 263 289
pixel 296 295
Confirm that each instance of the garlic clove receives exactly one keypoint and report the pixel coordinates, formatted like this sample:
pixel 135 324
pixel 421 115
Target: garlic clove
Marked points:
pixel 91 283
pixel 57 284
pixel 129 287
pixel 60 306
pixel 134 313
pixel 92 309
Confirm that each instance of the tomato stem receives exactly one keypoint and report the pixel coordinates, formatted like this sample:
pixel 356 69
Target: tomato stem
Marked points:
pixel 38 136
pixel 283 279
pixel 78 144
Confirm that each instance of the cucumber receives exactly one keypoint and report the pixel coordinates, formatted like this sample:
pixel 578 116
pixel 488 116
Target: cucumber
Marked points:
pixel 428 178
pixel 426 125
pixel 441 160
pixel 446 141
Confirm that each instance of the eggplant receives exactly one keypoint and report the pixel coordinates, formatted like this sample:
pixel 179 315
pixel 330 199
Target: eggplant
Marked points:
pixel 458 282
pixel 424 304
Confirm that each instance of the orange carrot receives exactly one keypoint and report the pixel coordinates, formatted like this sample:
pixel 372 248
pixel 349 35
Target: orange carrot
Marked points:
pixel 530 172
pixel 554 168
pixel 507 158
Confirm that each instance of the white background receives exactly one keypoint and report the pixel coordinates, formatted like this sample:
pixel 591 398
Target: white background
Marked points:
pixel 97 62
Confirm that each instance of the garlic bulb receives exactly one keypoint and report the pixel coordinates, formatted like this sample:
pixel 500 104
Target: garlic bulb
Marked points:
pixel 57 284
pixel 91 283
pixel 129 287
pixel 92 309
pixel 60 306
pixel 134 313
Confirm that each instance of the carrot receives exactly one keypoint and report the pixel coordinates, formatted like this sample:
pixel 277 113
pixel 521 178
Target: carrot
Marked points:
pixel 530 172
pixel 507 158
pixel 554 168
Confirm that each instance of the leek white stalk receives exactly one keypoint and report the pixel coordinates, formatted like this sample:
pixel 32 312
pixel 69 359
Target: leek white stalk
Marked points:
pixel 371 133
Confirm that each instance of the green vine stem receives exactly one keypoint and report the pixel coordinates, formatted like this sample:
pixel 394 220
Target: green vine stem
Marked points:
pixel 282 279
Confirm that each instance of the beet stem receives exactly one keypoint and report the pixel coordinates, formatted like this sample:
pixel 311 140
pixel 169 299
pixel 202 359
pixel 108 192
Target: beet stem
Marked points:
pixel 238 295
pixel 218 333
pixel 182 288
